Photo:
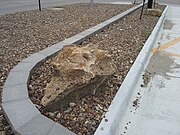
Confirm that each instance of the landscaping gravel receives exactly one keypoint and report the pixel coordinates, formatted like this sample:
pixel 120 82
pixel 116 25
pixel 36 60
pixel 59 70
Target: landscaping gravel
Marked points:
pixel 25 33
pixel 123 40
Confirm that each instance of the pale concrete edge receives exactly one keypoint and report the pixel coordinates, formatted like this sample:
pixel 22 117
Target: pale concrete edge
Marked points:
pixel 38 58
pixel 110 123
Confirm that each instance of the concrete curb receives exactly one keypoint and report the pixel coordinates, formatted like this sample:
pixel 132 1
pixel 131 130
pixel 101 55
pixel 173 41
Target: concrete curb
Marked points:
pixel 143 55
pixel 109 125
pixel 20 112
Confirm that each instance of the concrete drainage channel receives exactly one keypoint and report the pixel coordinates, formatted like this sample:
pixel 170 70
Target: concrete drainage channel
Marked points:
pixel 25 118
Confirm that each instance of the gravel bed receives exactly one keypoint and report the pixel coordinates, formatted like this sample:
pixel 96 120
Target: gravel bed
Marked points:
pixel 25 33
pixel 123 40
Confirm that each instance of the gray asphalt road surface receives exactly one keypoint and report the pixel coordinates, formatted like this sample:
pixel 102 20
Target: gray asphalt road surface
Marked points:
pixel 11 6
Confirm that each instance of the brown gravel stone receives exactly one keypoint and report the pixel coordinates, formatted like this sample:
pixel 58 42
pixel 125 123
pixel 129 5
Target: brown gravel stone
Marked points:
pixel 25 33
pixel 123 40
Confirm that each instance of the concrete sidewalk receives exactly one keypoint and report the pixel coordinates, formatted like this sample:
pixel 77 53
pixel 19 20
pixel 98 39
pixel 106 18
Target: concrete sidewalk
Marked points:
pixel 155 105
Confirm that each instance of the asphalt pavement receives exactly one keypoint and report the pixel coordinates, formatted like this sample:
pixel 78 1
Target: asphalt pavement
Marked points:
pixel 11 6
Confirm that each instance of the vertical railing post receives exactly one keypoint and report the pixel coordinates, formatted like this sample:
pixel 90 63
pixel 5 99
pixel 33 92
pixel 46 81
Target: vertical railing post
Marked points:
pixel 142 9
pixel 150 3
pixel 154 3
pixel 39 2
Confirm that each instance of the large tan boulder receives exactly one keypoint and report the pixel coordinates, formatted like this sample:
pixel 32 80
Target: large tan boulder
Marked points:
pixel 78 72
pixel 153 12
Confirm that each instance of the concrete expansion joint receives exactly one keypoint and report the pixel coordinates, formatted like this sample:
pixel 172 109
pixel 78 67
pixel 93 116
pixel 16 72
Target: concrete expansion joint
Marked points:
pixel 28 121
pixel 10 86
pixel 141 63
pixel 14 100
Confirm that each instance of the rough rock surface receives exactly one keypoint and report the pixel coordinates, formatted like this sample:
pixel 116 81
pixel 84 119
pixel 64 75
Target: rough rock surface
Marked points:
pixel 153 12
pixel 77 72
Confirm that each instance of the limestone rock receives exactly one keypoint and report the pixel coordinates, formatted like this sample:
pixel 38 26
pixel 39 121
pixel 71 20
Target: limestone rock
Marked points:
pixel 153 12
pixel 77 72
